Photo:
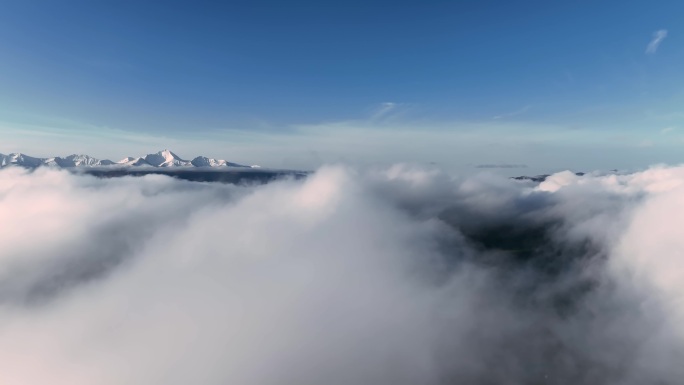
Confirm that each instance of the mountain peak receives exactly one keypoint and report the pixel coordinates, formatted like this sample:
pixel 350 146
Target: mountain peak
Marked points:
pixel 163 158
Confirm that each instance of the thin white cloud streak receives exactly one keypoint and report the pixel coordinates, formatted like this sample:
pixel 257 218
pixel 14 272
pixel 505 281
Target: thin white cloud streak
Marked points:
pixel 348 277
pixel 658 37
pixel 383 110
pixel 521 111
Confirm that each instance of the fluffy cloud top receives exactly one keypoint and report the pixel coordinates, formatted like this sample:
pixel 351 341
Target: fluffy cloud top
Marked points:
pixel 396 276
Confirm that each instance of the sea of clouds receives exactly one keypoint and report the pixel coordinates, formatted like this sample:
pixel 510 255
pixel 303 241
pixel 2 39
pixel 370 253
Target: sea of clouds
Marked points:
pixel 387 276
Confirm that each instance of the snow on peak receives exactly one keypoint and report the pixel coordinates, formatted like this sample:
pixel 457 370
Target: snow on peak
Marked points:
pixel 164 158
pixel 203 161
pixel 76 160
pixel 86 160
pixel 131 161
pixel 20 159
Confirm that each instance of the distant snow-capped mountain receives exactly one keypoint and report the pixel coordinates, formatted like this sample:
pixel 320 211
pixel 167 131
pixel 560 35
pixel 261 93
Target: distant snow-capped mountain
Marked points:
pixel 203 161
pixel 131 161
pixel 75 161
pixel 163 158
pixel 166 158
pixel 20 159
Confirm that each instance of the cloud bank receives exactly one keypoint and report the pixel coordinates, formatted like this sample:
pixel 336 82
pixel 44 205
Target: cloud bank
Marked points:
pixel 388 276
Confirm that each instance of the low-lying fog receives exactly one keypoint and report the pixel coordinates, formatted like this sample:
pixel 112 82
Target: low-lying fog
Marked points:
pixel 393 276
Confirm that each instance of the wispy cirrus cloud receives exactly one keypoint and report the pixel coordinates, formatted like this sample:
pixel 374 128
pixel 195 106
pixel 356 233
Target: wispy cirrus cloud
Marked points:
pixel 520 111
pixel 383 110
pixel 658 37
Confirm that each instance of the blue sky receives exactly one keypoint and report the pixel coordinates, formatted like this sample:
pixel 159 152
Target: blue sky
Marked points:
pixel 547 84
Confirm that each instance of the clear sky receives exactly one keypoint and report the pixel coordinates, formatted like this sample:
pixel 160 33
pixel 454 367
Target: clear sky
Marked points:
pixel 547 84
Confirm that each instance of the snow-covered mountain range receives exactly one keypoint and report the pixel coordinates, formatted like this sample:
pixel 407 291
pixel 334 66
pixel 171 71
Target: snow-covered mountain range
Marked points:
pixel 163 158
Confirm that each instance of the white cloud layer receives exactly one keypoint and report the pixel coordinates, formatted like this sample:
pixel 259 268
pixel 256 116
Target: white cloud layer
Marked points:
pixel 392 276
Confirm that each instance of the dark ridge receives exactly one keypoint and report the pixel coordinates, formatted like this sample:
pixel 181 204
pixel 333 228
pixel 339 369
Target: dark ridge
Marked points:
pixel 222 176
pixel 539 178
